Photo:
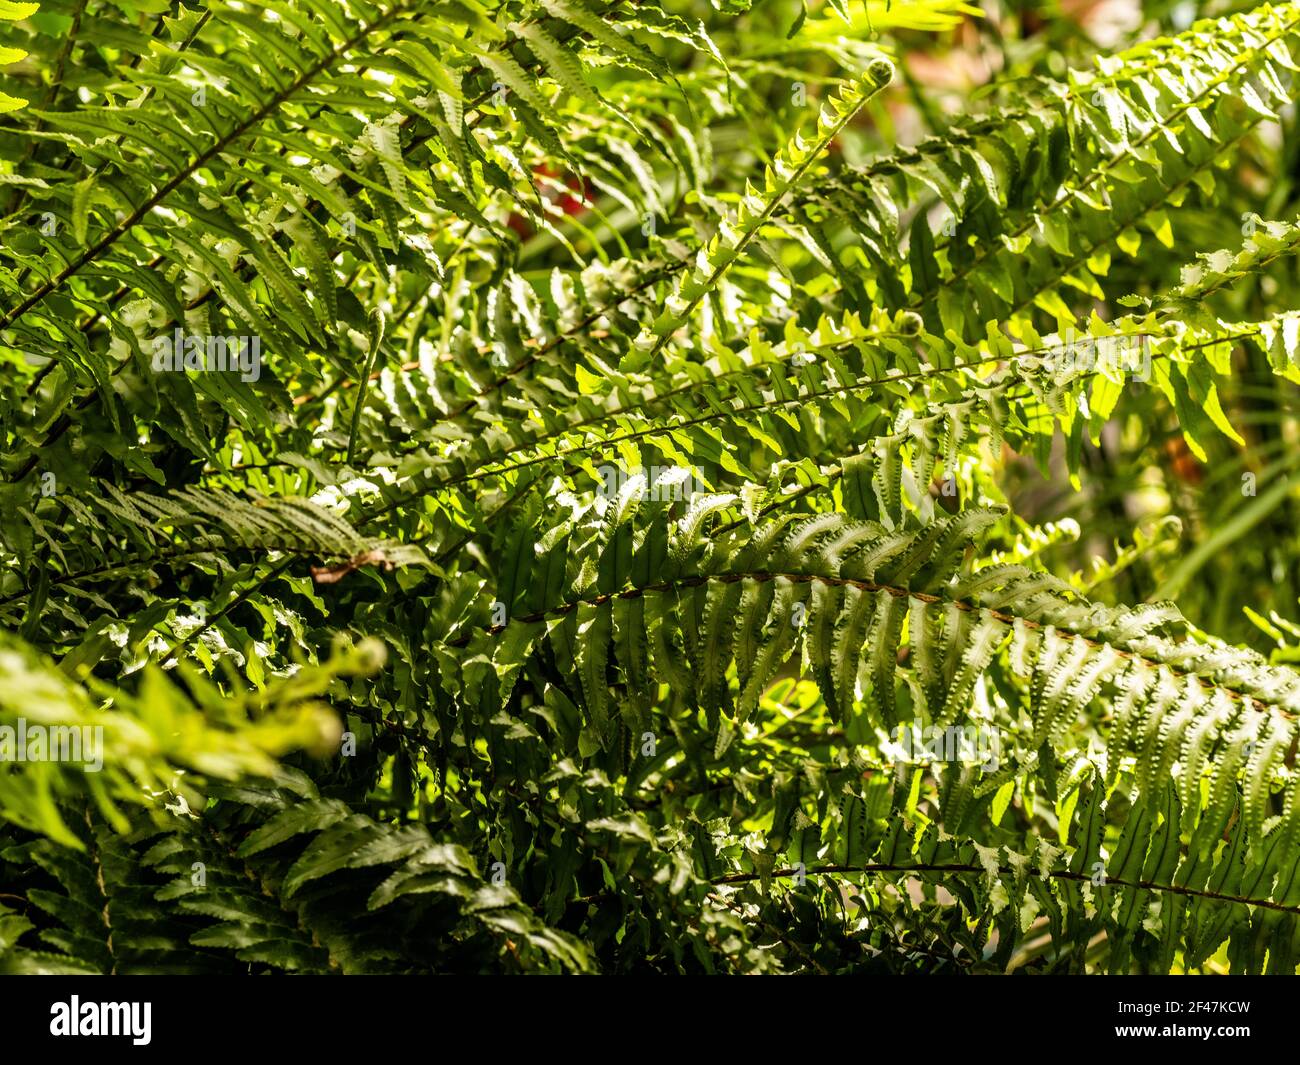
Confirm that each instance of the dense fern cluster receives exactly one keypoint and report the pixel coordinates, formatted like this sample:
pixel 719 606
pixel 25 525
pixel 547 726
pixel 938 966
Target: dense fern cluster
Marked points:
pixel 640 448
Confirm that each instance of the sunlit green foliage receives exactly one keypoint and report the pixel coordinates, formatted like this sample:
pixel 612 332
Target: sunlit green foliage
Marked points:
pixel 642 426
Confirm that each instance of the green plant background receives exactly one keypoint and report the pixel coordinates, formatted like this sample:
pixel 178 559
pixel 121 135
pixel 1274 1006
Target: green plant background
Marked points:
pixel 659 405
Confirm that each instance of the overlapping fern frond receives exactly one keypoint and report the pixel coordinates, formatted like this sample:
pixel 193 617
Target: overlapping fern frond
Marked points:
pixel 621 370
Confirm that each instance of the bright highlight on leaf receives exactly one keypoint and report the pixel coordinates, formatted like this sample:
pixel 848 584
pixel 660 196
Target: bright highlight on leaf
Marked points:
pixel 579 486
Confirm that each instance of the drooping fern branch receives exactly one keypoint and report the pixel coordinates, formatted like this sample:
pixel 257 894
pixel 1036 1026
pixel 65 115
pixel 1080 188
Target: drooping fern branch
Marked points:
pixel 667 399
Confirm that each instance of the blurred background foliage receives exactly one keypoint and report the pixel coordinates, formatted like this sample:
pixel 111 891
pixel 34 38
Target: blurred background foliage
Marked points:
pixel 613 864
